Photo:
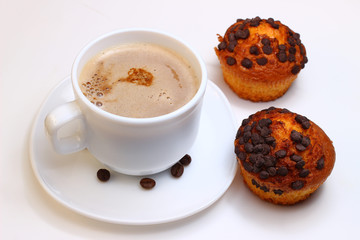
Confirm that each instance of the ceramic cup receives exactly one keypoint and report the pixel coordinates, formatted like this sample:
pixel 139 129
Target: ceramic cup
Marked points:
pixel 133 146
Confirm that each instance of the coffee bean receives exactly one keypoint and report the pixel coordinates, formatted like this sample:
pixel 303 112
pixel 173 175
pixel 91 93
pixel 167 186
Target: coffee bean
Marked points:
pixel 222 46
pixel 304 173
pixel 297 185
pixel 185 160
pixel 295 158
pixel 296 69
pixel 177 170
pixel 230 61
pixel 254 50
pixel 296 136
pixel 262 61
pixel 147 183
pixel 267 49
pixel 103 175
pixel 320 163
pixel 278 192
pixel 264 175
pixel 281 153
pixel 282 171
pixel 247 63
pixel 242 34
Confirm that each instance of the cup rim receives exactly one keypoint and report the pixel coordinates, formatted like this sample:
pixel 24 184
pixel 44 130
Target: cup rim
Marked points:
pixel 140 121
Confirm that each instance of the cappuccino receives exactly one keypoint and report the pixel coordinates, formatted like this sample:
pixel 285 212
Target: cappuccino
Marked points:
pixel 138 80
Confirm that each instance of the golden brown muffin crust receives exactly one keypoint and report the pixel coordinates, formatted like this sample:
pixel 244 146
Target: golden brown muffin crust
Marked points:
pixel 283 156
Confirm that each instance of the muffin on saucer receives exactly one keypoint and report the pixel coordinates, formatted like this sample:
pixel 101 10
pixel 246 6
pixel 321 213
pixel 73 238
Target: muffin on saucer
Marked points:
pixel 260 58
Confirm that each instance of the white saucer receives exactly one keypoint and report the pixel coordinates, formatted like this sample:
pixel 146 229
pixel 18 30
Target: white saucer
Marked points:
pixel 71 179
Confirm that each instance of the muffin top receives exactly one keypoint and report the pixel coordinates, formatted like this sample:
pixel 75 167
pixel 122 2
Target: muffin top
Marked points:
pixel 262 49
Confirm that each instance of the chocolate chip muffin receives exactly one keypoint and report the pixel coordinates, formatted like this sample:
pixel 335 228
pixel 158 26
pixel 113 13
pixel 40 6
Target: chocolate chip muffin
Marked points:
pixel 260 58
pixel 283 156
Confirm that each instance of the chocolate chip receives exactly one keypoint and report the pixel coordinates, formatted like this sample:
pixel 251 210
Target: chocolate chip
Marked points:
pixel 278 192
pixel 222 46
pixel 245 122
pixel 297 185
pixel 103 175
pixel 248 167
pixel 259 161
pixel 266 149
pixel 264 188
pixel 282 47
pixel 265 122
pixel 256 169
pixel 230 61
pixel 305 141
pixel 270 140
pixel 247 63
pixel 177 170
pixel 268 162
pixel 147 183
pixel 271 171
pixel 248 147
pixel 247 136
pixel 295 158
pixel 296 69
pixel 304 173
pixel 282 57
pixel 292 50
pixel 305 123
pixel 242 34
pixel 300 164
pixel 247 128
pixel 254 50
pixel 265 41
pixel 280 154
pixel 267 49
pixel 302 50
pixel 265 131
pixel 185 160
pixel 231 46
pixel 252 158
pixel 255 183
pixel 231 37
pixel 258 148
pixel 262 61
pixel 291 58
pixel 292 41
pixel 320 163
pixel 255 22
pixel 264 175
pixel 241 155
pixel 282 171
pixel 296 136
pixel 255 138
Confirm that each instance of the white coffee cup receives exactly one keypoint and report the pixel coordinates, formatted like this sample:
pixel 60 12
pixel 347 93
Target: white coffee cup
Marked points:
pixel 133 146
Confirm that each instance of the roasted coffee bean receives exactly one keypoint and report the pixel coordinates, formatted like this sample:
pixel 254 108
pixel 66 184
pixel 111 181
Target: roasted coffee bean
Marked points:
pixel 271 171
pixel 267 49
pixel 147 183
pixel 242 34
pixel 282 171
pixel 185 160
pixel 278 192
pixel 177 170
pixel 297 185
pixel 230 61
pixel 296 69
pixel 247 63
pixel 222 46
pixel 320 163
pixel 305 141
pixel 248 147
pixel 282 57
pixel 296 136
pixel 280 154
pixel 254 50
pixel 103 175
pixel 304 173
pixel 265 41
pixel 295 158
pixel 264 175
pixel 300 164
pixel 262 61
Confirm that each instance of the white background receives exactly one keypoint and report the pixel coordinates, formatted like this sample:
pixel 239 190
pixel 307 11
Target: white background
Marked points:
pixel 39 40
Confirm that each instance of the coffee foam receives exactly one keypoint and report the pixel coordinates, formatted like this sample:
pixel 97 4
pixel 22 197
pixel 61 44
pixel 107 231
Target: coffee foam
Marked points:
pixel 138 80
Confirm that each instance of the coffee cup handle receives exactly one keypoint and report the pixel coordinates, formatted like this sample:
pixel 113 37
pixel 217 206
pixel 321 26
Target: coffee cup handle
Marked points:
pixel 65 126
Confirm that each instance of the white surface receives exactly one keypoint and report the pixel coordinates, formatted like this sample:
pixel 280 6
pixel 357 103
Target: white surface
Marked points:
pixel 71 179
pixel 39 41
